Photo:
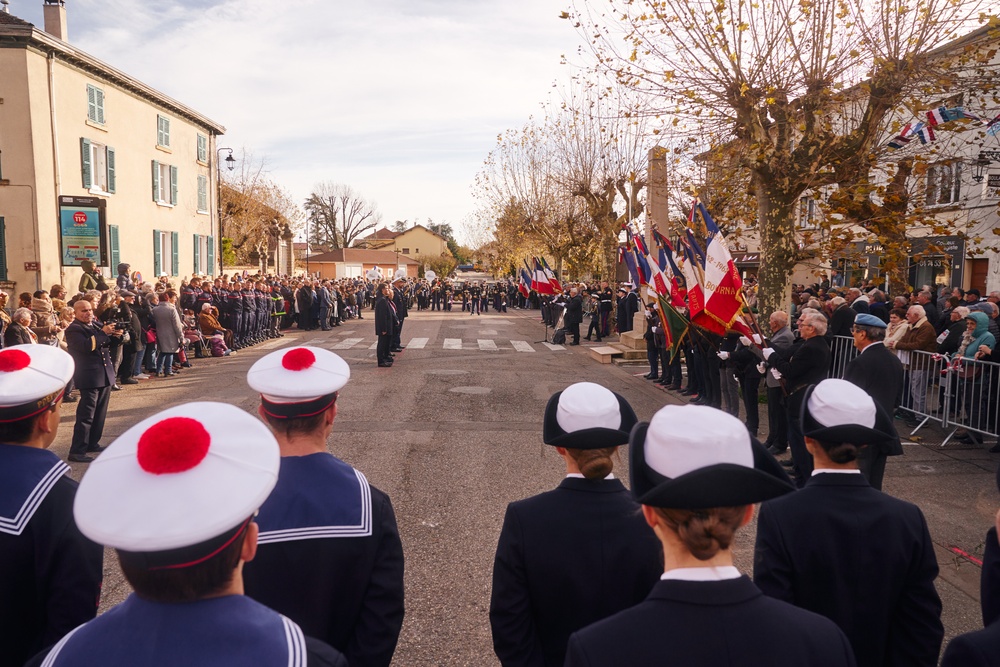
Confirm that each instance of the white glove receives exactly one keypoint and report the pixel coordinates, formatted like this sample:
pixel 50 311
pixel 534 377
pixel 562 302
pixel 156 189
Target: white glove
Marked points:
pixel 762 368
pixel 656 329
pixel 775 373
pixel 746 341
pixel 767 352
pixel 723 355
pixel 757 339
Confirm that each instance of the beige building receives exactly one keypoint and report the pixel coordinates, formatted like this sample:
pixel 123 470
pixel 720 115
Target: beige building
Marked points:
pixel 417 242
pixel 357 262
pixel 95 164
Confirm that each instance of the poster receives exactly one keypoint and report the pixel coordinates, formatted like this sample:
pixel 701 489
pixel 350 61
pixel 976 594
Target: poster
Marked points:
pixel 81 227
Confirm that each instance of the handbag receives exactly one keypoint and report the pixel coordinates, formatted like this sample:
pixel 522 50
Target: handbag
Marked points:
pixel 150 334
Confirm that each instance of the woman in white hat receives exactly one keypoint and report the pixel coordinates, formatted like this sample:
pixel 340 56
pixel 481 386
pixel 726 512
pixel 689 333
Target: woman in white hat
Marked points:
pixel 578 553
pixel 697 474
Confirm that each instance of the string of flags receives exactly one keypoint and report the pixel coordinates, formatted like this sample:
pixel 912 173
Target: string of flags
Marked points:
pixel 923 130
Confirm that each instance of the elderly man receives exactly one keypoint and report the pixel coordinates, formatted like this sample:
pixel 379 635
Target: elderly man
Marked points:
pixel 926 299
pixel 88 342
pixel 777 415
pixel 920 337
pixel 800 366
pixel 574 314
pixel 880 373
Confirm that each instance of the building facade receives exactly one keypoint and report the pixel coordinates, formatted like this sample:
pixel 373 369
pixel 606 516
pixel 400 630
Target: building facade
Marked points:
pixel 96 165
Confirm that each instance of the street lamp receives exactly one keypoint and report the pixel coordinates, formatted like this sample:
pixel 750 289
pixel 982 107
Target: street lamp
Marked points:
pixel 982 163
pixel 230 165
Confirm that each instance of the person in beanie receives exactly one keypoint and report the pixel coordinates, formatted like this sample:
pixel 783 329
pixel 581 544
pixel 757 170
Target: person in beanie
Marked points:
pixel 346 586
pixel 579 553
pixel 175 496
pixel 842 549
pixel 697 473
pixel 50 574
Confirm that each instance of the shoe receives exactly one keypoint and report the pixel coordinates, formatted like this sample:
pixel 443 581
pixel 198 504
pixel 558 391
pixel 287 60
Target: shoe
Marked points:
pixel 70 399
pixel 701 401
pixel 401 347
pixel 693 398
pixel 686 391
pixel 650 376
pixel 588 338
pixel 80 458
pixel 129 381
pixel 142 376
pixel 186 364
pixel 396 349
pixel 385 364
pixel 96 449
pixel 674 387
pixel 575 343
pixel 775 451
pixel 116 387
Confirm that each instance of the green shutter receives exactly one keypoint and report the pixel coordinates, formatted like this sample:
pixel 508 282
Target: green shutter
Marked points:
pixel 202 148
pixel 157 263
pixel 210 269
pixel 92 103
pixel 175 250
pixel 156 183
pixel 197 254
pixel 88 179
pixel 111 169
pixel 100 105
pixel 3 250
pixel 173 185
pixel 116 255
pixel 202 193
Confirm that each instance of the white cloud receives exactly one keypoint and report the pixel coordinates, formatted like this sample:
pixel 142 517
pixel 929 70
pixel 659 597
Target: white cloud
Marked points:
pixel 402 99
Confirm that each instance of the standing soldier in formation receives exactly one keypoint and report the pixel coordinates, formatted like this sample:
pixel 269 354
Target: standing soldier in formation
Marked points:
pixel 50 574
pixel 330 557
pixel 399 298
pixel 385 325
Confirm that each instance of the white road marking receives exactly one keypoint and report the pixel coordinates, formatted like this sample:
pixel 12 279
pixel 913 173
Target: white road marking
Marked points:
pixel 554 348
pixel 373 346
pixel 417 343
pixel 487 344
pixel 453 343
pixel 346 344
pixel 522 346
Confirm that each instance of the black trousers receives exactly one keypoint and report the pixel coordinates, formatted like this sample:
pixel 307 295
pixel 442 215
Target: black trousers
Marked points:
pixel 574 329
pixel 382 351
pixel 91 410
pixel 396 342
pixel 777 418
pixel 750 387
pixel 802 460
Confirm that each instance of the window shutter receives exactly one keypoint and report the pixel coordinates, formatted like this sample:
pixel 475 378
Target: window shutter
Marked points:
pixel 88 179
pixel 210 269
pixel 92 103
pixel 175 251
pixel 3 250
pixel 116 255
pixel 100 105
pixel 156 183
pixel 157 263
pixel 197 254
pixel 202 193
pixel 173 185
pixel 111 169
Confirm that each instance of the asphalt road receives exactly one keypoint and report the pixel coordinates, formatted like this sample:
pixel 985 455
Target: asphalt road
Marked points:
pixel 452 432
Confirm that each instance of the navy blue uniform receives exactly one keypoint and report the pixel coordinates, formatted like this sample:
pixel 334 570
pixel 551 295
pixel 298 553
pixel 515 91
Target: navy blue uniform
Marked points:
pixel 330 558
pixel 50 574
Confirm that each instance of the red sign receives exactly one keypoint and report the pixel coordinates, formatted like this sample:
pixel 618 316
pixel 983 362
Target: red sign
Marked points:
pixel 31 266
pixel 80 218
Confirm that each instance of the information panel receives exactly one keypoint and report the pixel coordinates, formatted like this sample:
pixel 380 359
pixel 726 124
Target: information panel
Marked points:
pixel 82 227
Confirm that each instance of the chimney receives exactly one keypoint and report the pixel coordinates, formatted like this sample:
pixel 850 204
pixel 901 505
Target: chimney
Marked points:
pixel 55 19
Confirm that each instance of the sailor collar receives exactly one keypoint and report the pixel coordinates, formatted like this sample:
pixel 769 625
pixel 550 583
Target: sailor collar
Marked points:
pixel 27 475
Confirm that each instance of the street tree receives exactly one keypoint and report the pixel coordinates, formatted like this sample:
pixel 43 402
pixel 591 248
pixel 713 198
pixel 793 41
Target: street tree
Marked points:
pixel 338 214
pixel 804 90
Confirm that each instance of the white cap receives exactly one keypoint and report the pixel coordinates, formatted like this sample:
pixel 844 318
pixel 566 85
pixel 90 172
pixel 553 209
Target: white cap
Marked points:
pixel 681 439
pixel 178 478
pixel 841 403
pixel 587 405
pixel 298 374
pixel 32 377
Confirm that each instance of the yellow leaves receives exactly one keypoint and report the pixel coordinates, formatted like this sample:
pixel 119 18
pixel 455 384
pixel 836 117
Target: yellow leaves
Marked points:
pixel 564 15
pixel 742 27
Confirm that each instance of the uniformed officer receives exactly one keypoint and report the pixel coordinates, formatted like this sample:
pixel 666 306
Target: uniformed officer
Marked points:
pixel 844 550
pixel 579 553
pixel 50 574
pixel 175 497
pixel 697 473
pixel 346 586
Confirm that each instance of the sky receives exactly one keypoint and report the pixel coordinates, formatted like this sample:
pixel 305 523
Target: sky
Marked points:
pixel 400 99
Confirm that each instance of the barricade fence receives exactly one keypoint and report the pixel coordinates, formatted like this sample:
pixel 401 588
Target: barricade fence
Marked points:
pixel 950 390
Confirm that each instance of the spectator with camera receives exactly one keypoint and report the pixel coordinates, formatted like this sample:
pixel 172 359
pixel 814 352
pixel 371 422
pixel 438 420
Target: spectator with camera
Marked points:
pixel 88 341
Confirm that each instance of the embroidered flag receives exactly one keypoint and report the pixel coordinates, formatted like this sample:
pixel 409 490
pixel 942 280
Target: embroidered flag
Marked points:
pixel 722 285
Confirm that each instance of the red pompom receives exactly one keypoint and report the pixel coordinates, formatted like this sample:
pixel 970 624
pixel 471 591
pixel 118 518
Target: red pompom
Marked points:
pixel 298 359
pixel 173 445
pixel 14 360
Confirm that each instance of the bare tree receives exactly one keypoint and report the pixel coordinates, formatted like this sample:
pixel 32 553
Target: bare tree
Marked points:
pixel 339 215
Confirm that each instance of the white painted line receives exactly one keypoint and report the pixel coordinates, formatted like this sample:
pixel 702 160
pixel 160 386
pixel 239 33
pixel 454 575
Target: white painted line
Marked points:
pixel 346 344
pixel 417 343
pixel 453 343
pixel 487 344
pixel 373 346
pixel 522 346
pixel 488 332
pixel 554 348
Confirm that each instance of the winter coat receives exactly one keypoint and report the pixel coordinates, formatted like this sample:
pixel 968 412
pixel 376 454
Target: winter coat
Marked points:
pixel 169 328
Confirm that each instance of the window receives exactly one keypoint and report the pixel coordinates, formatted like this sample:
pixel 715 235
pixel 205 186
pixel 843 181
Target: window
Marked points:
pixel 163 131
pixel 202 194
pixel 406 251
pixel 165 248
pixel 97 167
pixel 164 184
pixel 944 183
pixel 95 104
pixel 202 149
pixel 203 259
pixel 808 218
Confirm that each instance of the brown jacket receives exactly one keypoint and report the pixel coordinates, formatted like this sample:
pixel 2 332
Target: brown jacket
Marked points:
pixel 209 323
pixel 921 336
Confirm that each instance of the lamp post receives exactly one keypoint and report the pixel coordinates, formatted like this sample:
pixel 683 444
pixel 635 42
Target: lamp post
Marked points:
pixel 230 164
pixel 982 163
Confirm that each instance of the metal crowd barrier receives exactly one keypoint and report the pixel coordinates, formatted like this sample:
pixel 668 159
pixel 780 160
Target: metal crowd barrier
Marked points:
pixel 952 391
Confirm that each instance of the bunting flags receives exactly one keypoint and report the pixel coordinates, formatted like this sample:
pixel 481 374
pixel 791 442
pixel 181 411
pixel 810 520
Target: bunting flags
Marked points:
pixel 924 130
pixel 993 126
pixel 669 268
